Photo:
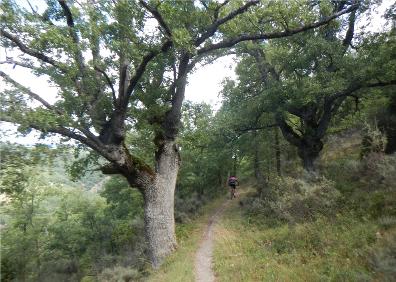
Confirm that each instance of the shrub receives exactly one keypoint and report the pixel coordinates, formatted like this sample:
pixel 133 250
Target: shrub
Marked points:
pixel 119 274
pixel 373 140
pixel 186 208
pixel 379 171
pixel 374 186
pixel 383 259
pixel 387 222
pixel 296 200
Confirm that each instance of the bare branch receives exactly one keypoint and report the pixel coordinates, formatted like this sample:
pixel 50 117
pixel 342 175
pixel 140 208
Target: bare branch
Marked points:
pixel 30 93
pixel 350 90
pixel 172 117
pixel 217 10
pixel 333 103
pixel 43 18
pixel 110 168
pixel 271 35
pixel 109 82
pixel 67 12
pixel 351 29
pixel 140 71
pixel 210 30
pixel 25 49
pixel 255 128
pixel 16 63
pixel 64 132
pixel 203 3
pixel 70 22
pixel 158 17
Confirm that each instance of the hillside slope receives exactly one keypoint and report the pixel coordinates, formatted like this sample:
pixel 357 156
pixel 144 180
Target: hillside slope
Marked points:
pixel 339 228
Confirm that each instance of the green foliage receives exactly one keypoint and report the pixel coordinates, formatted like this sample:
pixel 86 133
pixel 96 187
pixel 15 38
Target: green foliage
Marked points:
pixel 124 201
pixel 296 200
pixel 300 229
pixel 309 229
pixel 203 159
pixel 52 232
pixel 19 163
pixel 325 249
pixel 382 260
pixel 295 78
pixel 119 273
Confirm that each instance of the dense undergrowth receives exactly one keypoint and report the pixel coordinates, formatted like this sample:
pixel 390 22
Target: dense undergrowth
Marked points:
pixel 337 227
pixel 92 230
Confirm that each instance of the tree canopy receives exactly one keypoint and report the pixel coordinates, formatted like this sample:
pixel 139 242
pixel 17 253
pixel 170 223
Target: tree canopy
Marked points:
pixel 301 83
pixel 122 67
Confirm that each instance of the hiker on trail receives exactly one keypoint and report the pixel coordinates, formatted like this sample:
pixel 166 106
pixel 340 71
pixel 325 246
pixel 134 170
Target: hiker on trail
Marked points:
pixel 233 182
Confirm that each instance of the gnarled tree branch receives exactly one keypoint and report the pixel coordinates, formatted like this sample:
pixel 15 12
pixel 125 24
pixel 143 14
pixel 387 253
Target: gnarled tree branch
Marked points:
pixel 227 43
pixel 25 49
pixel 109 82
pixel 158 17
pixel 210 30
pixel 30 93
pixel 70 22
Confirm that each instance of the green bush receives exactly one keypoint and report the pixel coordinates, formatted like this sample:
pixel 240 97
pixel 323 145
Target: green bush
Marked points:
pixel 368 186
pixel 187 208
pixel 297 200
pixel 119 274
pixel 383 259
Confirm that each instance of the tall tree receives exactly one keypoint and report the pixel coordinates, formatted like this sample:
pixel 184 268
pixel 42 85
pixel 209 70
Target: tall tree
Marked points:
pixel 119 65
pixel 305 80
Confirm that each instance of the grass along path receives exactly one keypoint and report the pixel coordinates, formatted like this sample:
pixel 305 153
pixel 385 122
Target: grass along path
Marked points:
pixel 203 257
pixel 193 259
pixel 180 266
pixel 326 249
pixel 225 245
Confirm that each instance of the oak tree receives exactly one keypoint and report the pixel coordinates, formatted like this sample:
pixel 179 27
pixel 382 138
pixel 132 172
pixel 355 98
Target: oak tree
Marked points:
pixel 119 65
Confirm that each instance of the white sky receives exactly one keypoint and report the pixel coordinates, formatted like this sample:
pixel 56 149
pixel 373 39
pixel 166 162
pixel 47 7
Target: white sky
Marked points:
pixel 204 84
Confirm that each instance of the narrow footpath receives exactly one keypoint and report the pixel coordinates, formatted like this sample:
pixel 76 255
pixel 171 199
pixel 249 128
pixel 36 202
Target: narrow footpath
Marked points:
pixel 203 258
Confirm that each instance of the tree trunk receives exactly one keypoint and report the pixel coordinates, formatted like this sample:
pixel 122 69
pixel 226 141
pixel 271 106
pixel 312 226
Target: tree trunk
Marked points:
pixel 159 205
pixel 262 184
pixel 277 152
pixel 309 151
pixel 308 162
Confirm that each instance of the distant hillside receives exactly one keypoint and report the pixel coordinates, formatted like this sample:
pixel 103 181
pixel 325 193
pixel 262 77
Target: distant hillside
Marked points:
pixel 53 166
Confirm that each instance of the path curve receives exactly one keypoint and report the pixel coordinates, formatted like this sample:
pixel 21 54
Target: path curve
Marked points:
pixel 203 257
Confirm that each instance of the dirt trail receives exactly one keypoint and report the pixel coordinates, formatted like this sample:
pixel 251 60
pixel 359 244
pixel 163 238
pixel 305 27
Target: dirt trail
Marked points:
pixel 203 257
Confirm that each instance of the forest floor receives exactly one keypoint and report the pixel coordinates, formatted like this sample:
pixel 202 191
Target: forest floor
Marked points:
pixel 203 258
pixel 224 244
pixel 180 266
pixel 193 261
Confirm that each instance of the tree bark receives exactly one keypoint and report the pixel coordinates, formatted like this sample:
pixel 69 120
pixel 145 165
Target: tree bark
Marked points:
pixel 309 151
pixel 277 152
pixel 260 178
pixel 258 172
pixel 159 204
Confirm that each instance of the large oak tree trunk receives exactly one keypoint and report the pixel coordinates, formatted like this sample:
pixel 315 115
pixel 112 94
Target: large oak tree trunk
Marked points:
pixel 309 151
pixel 159 205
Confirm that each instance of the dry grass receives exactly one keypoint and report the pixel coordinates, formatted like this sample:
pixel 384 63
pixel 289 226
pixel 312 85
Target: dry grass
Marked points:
pixel 339 146
pixel 317 251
